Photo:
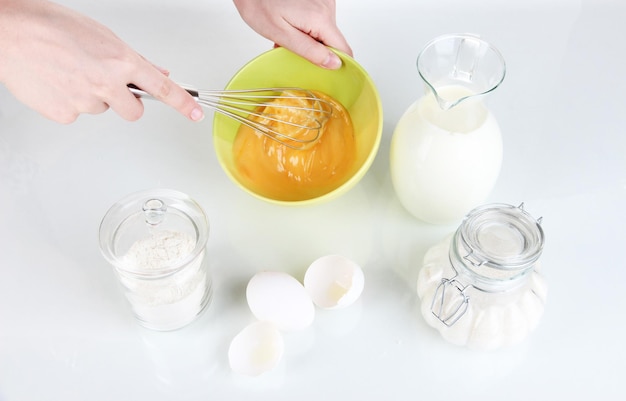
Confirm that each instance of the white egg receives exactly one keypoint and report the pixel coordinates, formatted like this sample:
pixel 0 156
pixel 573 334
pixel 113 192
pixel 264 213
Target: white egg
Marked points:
pixel 257 349
pixel 279 298
pixel 334 282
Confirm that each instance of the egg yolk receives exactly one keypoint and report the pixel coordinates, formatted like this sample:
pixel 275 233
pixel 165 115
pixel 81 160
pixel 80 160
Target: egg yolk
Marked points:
pixel 276 171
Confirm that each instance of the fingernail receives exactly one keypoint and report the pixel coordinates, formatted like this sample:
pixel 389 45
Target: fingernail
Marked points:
pixel 332 62
pixel 197 114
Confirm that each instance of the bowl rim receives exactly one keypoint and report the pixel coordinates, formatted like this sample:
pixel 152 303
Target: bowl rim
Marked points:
pixel 356 176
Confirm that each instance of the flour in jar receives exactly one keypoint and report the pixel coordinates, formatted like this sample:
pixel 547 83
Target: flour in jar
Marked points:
pixel 163 293
pixel 160 250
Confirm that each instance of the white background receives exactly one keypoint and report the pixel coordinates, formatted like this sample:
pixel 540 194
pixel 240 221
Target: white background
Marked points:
pixel 66 332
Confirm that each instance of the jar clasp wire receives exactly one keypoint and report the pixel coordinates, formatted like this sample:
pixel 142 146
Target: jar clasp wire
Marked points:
pixel 450 301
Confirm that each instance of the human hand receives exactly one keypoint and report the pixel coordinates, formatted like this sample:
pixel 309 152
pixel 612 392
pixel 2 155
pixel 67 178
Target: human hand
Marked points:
pixel 61 64
pixel 302 26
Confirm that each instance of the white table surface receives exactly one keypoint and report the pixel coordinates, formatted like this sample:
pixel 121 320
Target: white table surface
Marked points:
pixel 66 332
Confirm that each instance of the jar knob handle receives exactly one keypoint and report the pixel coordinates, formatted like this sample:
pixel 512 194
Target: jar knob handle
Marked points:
pixel 154 211
pixel 449 302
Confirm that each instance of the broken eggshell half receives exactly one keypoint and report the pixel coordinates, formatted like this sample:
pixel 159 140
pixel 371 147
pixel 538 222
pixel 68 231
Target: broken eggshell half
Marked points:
pixel 334 282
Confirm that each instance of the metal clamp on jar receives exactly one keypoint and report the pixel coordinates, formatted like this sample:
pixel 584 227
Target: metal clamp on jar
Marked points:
pixel 481 286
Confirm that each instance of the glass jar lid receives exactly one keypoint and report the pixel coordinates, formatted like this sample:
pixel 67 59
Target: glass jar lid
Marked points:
pixel 164 214
pixel 499 242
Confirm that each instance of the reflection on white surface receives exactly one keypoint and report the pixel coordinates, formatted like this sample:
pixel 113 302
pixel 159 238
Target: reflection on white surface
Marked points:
pixel 182 360
pixel 336 324
pixel 66 332
pixel 289 239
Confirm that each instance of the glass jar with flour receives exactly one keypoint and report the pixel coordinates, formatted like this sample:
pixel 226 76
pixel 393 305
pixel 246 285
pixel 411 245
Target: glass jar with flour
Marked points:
pixel 156 242
pixel 446 149
pixel 481 286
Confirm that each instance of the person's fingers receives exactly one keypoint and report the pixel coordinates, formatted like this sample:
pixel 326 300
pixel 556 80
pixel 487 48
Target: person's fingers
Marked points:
pixel 333 37
pixel 67 111
pixel 163 71
pixel 124 103
pixel 167 91
pixel 312 50
pixel 98 108
pixel 62 115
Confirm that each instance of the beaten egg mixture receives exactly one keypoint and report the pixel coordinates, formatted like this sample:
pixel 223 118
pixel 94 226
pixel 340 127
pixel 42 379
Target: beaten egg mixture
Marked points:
pixel 277 171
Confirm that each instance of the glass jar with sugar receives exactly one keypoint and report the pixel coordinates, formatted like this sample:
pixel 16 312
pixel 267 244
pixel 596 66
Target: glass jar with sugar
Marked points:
pixel 481 286
pixel 156 242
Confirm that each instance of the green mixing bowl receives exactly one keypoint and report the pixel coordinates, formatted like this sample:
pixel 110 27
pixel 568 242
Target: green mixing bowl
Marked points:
pixel 350 85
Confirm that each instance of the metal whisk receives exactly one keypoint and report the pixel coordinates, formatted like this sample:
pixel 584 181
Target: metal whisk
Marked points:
pixel 296 124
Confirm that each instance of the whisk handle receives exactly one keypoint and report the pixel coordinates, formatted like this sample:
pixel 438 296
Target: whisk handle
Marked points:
pixel 135 90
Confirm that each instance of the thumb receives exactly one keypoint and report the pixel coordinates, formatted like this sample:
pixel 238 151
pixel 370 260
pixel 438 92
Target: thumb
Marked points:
pixel 312 50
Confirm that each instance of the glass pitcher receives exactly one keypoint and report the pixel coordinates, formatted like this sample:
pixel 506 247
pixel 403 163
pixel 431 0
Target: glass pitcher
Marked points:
pixel 446 149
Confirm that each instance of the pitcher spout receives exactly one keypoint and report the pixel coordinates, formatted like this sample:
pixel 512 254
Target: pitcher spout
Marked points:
pixel 463 61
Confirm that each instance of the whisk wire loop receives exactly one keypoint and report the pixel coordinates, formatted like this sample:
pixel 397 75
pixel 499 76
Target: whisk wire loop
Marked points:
pixel 292 116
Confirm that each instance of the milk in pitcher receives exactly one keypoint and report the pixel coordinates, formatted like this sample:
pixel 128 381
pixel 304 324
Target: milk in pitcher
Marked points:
pixel 445 162
pixel 446 149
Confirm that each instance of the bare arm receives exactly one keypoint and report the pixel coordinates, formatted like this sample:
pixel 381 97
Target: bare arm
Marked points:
pixel 62 64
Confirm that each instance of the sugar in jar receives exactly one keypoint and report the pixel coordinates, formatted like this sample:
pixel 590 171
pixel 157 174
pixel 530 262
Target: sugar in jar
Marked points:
pixel 481 287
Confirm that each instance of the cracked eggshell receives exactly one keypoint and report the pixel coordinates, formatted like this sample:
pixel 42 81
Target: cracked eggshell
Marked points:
pixel 256 349
pixel 279 298
pixel 334 282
